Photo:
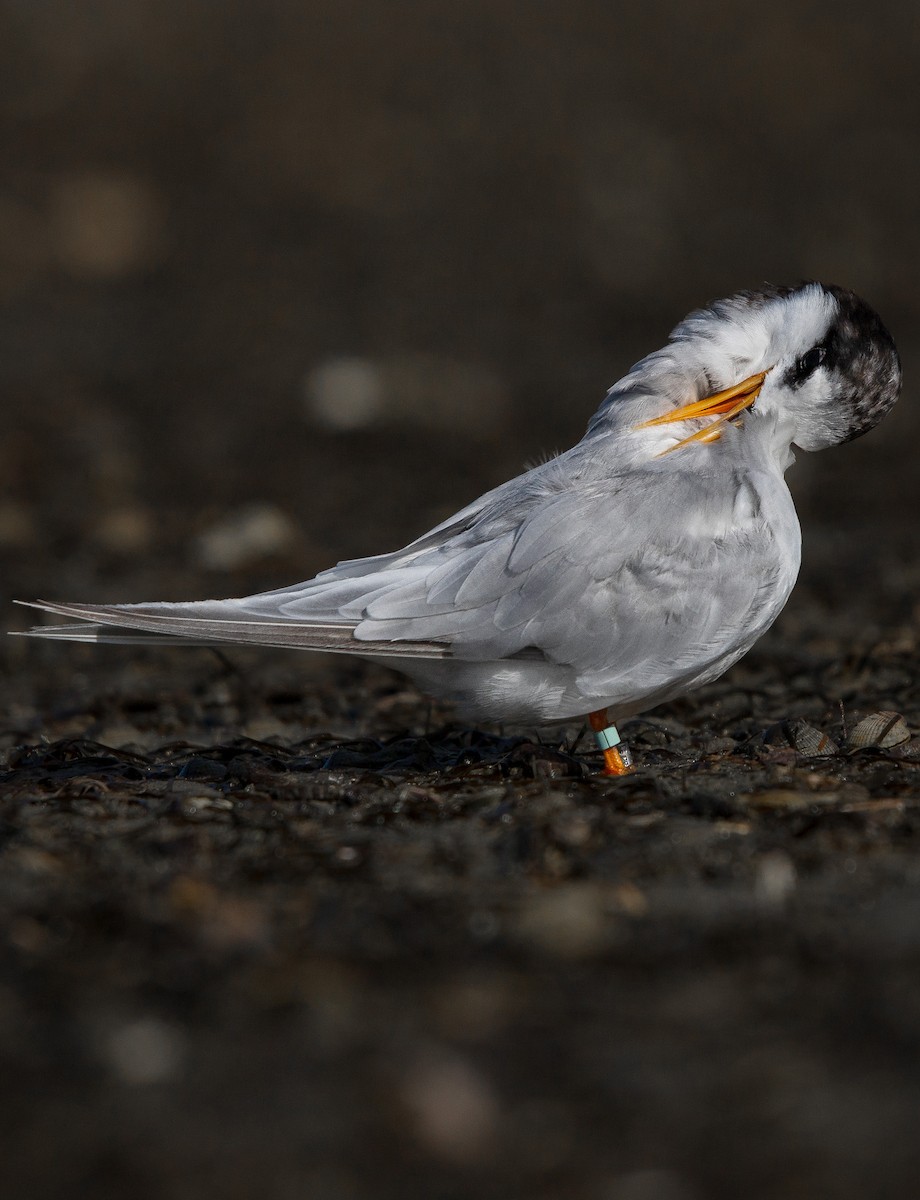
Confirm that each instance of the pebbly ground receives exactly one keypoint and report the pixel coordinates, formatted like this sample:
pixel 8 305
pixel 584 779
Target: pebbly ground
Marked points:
pixel 273 925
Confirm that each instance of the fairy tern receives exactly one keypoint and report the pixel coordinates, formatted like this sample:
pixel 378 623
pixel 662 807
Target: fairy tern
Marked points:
pixel 622 573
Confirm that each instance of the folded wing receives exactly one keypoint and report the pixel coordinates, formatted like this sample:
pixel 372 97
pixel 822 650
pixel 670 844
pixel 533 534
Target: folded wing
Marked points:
pixel 618 574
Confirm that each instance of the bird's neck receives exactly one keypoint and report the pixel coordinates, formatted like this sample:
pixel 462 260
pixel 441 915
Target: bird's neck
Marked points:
pixel 769 436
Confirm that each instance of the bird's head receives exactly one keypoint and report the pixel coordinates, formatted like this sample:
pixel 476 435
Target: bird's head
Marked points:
pixel 815 359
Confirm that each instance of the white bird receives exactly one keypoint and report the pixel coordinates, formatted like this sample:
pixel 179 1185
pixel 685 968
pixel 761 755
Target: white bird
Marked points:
pixel 632 568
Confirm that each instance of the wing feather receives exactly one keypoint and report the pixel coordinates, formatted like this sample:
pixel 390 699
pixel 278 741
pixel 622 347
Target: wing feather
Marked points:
pixel 635 576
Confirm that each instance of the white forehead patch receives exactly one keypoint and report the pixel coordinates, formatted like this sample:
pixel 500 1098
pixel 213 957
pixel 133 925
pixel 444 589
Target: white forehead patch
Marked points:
pixel 755 329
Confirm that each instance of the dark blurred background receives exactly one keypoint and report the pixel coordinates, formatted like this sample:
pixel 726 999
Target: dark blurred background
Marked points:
pixel 287 282
pixel 284 282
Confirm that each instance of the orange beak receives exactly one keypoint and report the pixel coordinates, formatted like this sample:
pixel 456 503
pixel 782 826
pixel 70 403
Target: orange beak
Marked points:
pixel 724 405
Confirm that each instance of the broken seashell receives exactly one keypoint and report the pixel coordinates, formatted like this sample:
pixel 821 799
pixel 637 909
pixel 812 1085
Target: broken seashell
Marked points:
pixel 880 729
pixel 800 736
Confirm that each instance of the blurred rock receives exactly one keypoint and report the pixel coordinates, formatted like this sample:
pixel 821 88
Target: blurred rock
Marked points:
pixel 409 388
pixel 245 536
pixel 443 393
pixel 265 729
pixel 125 531
pixel 630 900
pixel 455 1110
pixel 17 526
pixel 569 921
pixel 145 1051
pixel 345 393
pixel 782 799
pixel 775 879
pixel 475 1007
pixel 106 224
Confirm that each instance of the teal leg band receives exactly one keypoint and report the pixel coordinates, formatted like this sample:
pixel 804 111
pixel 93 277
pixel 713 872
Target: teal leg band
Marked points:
pixel 607 738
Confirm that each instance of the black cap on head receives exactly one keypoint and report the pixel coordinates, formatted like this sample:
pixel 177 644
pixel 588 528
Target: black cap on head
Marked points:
pixel 861 350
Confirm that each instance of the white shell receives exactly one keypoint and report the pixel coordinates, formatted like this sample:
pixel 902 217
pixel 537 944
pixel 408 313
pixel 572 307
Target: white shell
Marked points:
pixel 881 729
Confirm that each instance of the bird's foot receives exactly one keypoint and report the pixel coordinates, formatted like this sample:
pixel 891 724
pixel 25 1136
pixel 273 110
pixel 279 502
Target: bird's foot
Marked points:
pixel 618 761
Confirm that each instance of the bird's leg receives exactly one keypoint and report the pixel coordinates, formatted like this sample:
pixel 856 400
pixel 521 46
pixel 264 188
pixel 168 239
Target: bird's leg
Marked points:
pixel 617 759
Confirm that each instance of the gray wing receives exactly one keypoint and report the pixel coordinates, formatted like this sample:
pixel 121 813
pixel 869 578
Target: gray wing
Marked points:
pixel 319 614
pixel 648 573
pixel 646 577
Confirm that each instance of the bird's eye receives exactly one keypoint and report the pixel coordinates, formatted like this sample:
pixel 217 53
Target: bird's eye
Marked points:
pixel 809 363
